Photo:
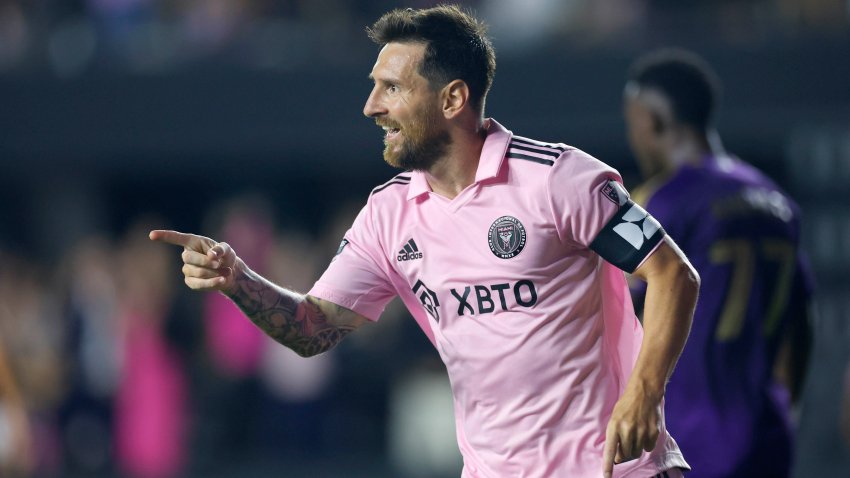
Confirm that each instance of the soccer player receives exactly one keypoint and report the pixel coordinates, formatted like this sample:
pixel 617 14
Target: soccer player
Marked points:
pixel 750 332
pixel 509 253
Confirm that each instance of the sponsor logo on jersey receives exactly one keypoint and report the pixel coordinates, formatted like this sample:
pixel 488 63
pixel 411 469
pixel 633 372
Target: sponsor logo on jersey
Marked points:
pixel 480 299
pixel 428 299
pixel 409 252
pixel 615 192
pixel 506 237
pixel 523 293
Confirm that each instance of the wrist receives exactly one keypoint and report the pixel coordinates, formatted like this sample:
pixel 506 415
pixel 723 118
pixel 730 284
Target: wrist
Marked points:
pixel 238 273
pixel 648 387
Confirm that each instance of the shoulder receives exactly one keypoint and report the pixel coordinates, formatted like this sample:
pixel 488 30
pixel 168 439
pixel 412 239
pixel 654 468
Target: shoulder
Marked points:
pixel 726 195
pixel 731 172
pixel 391 194
pixel 693 185
pixel 733 177
pixel 534 151
pixel 524 152
pixel 395 186
pixel 387 201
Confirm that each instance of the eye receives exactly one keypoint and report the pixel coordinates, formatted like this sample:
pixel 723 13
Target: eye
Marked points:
pixel 393 88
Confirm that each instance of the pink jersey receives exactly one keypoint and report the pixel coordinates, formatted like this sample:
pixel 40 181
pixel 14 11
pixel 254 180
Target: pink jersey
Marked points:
pixel 537 331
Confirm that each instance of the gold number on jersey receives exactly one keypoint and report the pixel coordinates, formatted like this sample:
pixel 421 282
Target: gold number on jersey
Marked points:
pixel 781 252
pixel 742 255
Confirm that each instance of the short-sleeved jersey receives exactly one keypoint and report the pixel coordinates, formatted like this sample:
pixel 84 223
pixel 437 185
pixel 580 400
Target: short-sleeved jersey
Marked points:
pixel 741 233
pixel 537 332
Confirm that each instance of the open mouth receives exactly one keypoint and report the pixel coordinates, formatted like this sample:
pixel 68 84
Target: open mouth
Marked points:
pixel 390 133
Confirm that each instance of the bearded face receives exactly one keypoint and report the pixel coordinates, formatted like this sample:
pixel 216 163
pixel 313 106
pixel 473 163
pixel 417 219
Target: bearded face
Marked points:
pixel 415 144
pixel 407 106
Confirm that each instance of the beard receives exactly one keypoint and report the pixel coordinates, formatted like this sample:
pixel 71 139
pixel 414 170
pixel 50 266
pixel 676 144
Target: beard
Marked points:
pixel 423 143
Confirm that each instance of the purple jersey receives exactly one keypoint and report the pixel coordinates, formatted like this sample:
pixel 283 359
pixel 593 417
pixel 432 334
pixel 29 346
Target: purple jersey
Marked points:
pixel 741 233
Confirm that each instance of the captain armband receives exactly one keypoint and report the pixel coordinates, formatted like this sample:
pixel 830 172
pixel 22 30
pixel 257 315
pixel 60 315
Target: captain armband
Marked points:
pixel 629 237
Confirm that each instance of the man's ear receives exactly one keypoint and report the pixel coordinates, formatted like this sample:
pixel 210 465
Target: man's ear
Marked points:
pixel 658 123
pixel 455 97
pixel 661 112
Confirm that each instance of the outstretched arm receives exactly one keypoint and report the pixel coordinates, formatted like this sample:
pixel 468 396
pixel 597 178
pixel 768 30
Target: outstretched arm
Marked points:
pixel 672 288
pixel 305 324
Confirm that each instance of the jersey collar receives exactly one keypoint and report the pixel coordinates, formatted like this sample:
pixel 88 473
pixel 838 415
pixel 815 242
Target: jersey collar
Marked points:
pixel 489 164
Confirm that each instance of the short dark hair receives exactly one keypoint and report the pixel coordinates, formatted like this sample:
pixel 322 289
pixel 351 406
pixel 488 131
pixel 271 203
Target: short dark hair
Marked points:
pixel 687 80
pixel 457 46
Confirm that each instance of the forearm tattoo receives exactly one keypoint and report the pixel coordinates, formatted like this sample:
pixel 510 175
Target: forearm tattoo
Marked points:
pixel 291 319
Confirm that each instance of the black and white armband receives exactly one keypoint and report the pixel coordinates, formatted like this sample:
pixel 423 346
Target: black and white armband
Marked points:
pixel 631 235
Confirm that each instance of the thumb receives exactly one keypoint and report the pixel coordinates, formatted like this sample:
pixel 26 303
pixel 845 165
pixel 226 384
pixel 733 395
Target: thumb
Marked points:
pixel 223 253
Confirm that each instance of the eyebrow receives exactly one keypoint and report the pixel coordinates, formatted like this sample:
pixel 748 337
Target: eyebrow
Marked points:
pixel 395 81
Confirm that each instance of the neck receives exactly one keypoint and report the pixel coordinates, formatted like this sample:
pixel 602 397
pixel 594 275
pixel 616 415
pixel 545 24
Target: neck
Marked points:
pixel 693 147
pixel 456 170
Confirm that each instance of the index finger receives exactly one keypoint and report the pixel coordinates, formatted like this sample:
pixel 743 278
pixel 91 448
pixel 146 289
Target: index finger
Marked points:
pixel 190 241
pixel 610 451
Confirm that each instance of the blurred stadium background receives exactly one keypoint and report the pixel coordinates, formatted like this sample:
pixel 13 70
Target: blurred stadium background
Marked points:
pixel 225 117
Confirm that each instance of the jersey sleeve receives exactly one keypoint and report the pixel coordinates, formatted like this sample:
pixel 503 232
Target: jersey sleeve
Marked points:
pixel 358 275
pixel 592 209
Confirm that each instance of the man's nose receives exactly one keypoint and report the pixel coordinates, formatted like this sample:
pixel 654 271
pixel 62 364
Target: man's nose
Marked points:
pixel 373 106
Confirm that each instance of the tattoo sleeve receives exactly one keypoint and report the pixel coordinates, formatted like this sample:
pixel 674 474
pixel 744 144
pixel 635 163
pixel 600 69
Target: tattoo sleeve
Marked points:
pixel 294 320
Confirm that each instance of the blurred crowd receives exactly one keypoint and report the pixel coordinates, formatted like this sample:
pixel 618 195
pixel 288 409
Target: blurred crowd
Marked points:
pixel 110 367
pixel 70 37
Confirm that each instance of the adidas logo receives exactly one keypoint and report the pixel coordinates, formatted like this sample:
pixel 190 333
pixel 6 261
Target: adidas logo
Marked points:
pixel 409 252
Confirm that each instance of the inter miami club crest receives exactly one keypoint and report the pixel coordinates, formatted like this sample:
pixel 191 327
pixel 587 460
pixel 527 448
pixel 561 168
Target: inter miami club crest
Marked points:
pixel 506 237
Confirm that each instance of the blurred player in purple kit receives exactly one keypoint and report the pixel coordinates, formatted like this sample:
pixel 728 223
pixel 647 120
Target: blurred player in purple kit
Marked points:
pixel 727 402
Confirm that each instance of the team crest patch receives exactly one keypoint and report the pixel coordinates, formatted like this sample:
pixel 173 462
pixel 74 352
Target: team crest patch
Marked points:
pixel 506 237
pixel 615 192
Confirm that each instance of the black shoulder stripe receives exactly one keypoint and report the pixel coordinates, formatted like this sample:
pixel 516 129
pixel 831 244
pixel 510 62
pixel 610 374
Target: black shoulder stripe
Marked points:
pixel 538 143
pixel 546 152
pixel 385 186
pixel 526 157
pixel 395 180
